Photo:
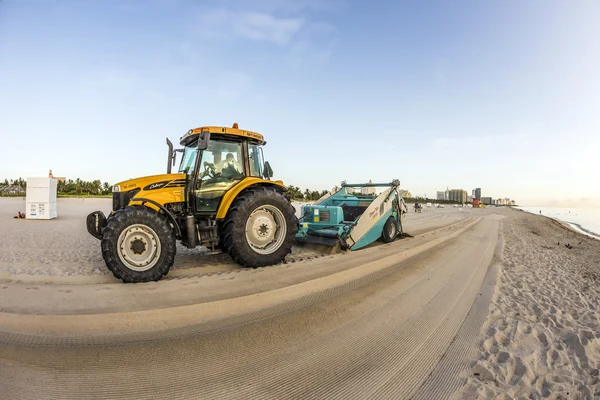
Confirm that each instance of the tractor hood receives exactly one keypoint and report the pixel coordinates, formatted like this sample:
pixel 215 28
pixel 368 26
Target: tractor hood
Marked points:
pixel 152 182
pixel 161 189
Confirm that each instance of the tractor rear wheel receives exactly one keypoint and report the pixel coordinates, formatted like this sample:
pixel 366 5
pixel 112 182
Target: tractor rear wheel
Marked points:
pixel 390 231
pixel 260 228
pixel 138 245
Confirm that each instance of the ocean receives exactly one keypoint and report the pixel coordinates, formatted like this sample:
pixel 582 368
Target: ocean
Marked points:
pixel 584 220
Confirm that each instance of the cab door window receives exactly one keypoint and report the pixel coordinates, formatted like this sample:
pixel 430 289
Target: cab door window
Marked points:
pixel 220 168
pixel 255 156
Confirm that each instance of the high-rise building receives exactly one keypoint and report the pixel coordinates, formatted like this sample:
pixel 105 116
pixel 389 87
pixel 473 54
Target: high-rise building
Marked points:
pixel 476 193
pixel 441 195
pixel 486 200
pixel 457 195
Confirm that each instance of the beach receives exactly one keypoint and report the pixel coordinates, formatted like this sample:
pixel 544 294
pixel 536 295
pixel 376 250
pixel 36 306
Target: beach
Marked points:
pixel 584 220
pixel 475 304
pixel 542 335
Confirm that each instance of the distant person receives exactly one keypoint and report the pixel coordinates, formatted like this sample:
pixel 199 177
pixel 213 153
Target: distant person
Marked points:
pixel 540 212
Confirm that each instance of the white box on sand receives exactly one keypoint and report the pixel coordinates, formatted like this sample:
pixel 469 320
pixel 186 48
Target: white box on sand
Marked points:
pixel 41 198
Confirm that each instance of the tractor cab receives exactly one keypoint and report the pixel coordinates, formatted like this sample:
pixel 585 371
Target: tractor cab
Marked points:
pixel 215 159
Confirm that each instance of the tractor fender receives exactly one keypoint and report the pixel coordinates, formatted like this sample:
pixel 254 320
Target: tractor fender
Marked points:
pixel 168 213
pixel 233 193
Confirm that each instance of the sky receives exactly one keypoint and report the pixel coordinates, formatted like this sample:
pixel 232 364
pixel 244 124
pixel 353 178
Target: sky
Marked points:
pixel 498 94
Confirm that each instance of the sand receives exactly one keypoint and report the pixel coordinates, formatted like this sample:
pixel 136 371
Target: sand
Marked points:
pixel 541 338
pixel 62 247
pixel 372 330
pixel 542 335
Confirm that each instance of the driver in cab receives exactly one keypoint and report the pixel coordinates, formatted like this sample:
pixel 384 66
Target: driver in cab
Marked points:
pixel 229 167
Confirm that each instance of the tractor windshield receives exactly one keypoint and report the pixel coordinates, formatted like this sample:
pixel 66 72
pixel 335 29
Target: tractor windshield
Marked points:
pixel 188 160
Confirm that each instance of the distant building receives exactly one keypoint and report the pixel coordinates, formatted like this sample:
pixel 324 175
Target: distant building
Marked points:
pixel 457 195
pixel 441 195
pixel 486 200
pixel 476 193
pixel 368 190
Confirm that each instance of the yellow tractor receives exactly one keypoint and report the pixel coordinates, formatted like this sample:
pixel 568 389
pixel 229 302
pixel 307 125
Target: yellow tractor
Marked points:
pixel 221 197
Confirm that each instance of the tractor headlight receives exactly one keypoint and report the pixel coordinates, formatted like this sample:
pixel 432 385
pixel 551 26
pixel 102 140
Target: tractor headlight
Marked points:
pixel 116 188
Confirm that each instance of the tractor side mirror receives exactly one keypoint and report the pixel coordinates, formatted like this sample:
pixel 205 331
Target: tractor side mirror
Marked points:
pixel 267 171
pixel 203 140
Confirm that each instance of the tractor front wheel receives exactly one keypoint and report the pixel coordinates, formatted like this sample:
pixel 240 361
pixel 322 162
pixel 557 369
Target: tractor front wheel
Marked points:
pixel 138 245
pixel 260 228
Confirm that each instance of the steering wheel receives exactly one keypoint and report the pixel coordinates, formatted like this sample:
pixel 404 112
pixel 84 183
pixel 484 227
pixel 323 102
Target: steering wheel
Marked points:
pixel 209 170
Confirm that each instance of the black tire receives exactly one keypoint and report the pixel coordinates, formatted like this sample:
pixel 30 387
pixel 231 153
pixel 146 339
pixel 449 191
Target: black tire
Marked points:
pixel 390 231
pixel 120 222
pixel 234 227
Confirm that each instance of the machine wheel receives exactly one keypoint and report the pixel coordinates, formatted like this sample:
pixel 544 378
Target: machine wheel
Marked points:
pixel 138 245
pixel 260 228
pixel 390 231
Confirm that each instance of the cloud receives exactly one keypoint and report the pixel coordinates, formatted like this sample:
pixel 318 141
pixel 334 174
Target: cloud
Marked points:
pixel 294 26
pixel 284 7
pixel 254 25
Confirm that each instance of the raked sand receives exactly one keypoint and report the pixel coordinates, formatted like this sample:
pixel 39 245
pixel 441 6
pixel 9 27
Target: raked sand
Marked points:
pixel 541 338
pixel 62 247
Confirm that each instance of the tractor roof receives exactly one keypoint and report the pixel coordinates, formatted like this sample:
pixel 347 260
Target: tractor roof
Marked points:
pixel 221 130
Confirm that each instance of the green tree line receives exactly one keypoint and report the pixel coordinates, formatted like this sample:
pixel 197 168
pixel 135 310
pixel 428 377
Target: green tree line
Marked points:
pixel 295 193
pixel 77 187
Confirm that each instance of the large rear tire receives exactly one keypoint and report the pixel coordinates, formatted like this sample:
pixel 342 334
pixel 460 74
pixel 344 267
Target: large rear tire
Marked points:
pixel 260 228
pixel 138 245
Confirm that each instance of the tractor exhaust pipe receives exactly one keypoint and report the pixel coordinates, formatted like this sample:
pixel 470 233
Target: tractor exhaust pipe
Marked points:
pixel 170 156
